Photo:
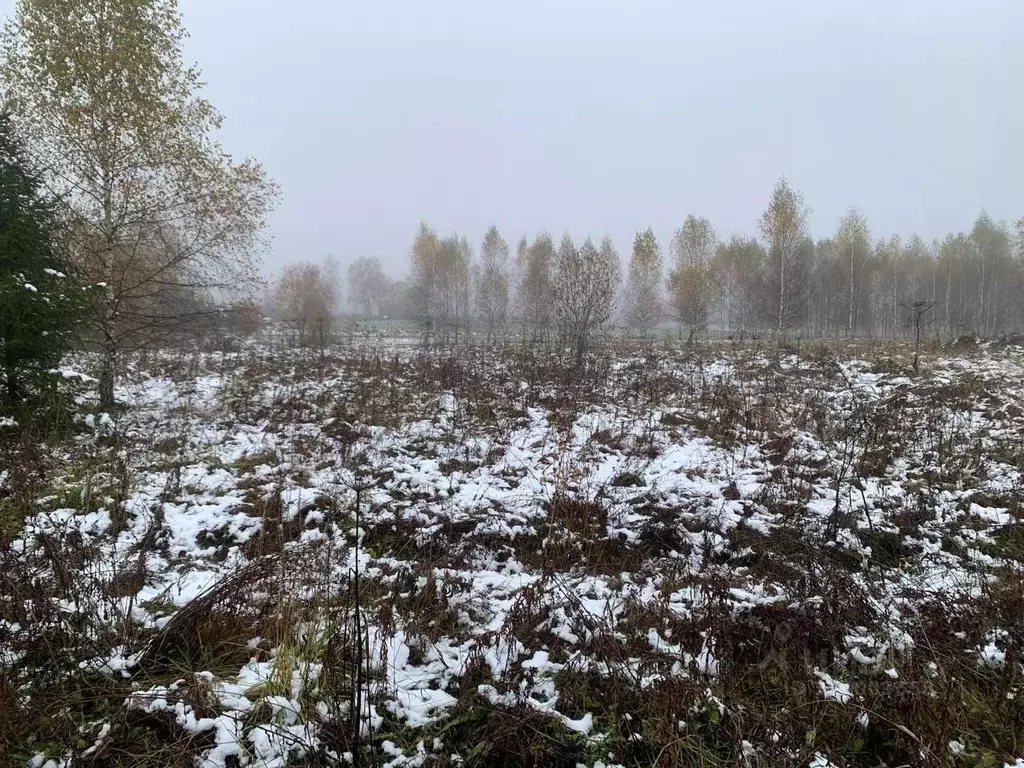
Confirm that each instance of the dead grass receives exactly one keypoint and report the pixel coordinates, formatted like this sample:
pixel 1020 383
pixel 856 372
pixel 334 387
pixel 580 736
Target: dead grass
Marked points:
pixel 650 706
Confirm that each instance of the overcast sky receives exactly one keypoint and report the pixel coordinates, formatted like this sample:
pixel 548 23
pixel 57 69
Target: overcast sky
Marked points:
pixel 605 117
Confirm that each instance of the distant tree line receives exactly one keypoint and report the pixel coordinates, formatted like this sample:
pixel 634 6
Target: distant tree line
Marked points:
pixel 780 282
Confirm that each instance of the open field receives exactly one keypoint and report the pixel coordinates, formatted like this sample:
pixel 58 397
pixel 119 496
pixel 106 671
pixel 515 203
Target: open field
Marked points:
pixel 681 556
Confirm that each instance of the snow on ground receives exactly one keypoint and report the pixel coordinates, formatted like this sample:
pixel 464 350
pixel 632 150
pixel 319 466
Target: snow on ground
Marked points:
pixel 514 536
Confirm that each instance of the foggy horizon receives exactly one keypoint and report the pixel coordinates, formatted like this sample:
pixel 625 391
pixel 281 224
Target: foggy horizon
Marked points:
pixel 609 118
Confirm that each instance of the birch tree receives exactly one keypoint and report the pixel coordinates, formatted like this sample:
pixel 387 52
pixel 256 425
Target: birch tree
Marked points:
pixel 853 245
pixel 643 286
pixel 424 256
pixel 335 277
pixel 609 260
pixel 891 269
pixel 493 283
pixel 155 206
pixel 304 298
pixel 452 300
pixel 535 289
pixel 584 290
pixel 368 286
pixel 992 295
pixel 783 225
pixel 738 264
pixel 693 284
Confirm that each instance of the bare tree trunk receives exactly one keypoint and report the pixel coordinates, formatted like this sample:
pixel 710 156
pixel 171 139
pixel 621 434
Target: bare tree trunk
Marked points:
pixel 895 305
pixel 108 370
pixel 782 292
pixel 981 299
pixel 949 287
pixel 581 349
pixel 849 318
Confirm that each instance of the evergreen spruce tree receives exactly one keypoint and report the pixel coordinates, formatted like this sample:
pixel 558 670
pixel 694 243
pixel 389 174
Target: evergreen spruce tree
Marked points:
pixel 37 297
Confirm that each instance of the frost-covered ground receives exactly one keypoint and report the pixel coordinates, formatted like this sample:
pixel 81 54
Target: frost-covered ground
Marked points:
pixel 735 556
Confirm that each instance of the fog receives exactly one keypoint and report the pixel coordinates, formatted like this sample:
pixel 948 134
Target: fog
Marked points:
pixel 602 117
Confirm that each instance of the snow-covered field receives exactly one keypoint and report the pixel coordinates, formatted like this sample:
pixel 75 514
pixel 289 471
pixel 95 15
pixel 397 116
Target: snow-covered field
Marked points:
pixel 734 556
